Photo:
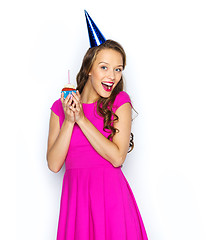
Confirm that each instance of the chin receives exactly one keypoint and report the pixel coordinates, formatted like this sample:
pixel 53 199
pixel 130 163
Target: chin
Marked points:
pixel 103 93
pixel 106 95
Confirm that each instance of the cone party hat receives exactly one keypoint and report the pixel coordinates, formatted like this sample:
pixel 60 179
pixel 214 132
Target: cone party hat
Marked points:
pixel 96 38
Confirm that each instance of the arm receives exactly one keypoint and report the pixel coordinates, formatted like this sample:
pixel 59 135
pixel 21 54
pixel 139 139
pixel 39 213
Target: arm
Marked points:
pixel 115 152
pixel 59 139
pixel 58 142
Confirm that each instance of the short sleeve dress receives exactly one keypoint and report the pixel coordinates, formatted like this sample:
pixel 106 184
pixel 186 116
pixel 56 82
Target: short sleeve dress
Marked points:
pixel 97 202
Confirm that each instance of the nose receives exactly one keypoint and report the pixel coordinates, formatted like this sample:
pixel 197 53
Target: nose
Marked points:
pixel 111 74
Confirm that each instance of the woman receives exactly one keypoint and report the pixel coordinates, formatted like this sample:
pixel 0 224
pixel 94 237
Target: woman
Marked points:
pixel 90 131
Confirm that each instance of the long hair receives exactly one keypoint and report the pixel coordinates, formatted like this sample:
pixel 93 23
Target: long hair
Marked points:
pixel 106 103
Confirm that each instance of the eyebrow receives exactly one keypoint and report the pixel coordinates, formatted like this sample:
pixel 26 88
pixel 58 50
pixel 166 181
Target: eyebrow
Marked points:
pixel 120 65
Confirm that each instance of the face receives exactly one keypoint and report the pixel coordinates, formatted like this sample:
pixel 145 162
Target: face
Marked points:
pixel 106 72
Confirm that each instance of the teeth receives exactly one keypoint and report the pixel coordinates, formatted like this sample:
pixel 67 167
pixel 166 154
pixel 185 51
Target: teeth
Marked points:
pixel 108 84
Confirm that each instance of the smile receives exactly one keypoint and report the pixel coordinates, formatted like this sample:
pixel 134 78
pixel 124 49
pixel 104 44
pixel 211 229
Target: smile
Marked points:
pixel 107 86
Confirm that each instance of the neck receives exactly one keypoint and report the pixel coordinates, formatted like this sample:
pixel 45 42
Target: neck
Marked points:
pixel 88 94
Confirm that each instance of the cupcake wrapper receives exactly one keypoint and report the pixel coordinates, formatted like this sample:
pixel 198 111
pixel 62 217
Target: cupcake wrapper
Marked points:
pixel 67 92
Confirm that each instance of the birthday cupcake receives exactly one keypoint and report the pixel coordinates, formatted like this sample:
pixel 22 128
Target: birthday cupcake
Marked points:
pixel 68 88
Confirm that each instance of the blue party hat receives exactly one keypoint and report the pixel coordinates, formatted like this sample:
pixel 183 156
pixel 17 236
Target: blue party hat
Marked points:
pixel 96 38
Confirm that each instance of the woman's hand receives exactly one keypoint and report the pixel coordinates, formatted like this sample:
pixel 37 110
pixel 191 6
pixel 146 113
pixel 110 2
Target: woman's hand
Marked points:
pixel 76 107
pixel 66 103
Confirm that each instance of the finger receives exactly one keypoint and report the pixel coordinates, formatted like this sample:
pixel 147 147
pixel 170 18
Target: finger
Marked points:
pixel 68 103
pixel 75 100
pixel 78 100
pixel 72 107
pixel 77 105
pixel 67 98
pixel 75 95
pixel 70 100
pixel 78 94
pixel 62 97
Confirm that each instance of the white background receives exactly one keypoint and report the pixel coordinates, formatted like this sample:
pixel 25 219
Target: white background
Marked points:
pixel 170 76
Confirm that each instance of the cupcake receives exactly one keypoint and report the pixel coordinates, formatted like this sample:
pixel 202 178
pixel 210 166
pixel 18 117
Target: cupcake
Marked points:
pixel 68 88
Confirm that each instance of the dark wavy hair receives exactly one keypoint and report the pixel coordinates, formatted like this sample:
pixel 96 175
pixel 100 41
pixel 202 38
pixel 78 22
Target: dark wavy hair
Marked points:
pixel 82 78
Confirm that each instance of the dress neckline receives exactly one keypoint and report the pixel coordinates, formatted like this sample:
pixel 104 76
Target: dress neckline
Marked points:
pixel 89 103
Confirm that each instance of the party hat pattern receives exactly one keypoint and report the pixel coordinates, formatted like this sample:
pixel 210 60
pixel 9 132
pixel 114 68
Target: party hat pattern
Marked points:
pixel 96 38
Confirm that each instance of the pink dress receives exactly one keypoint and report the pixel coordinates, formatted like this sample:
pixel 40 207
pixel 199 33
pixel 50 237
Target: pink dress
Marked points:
pixel 97 202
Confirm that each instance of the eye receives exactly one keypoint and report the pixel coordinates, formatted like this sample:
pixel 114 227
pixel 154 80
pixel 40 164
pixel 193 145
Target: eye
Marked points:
pixel 104 67
pixel 118 69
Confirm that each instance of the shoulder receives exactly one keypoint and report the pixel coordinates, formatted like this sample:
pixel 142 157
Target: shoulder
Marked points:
pixel 57 107
pixel 121 98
